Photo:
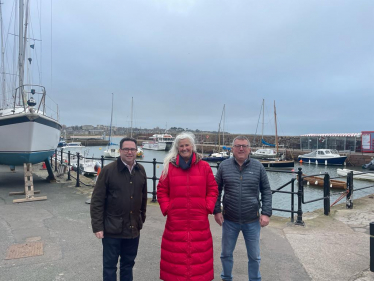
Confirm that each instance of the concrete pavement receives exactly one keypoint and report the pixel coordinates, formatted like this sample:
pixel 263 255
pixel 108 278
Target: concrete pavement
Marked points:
pixel 327 248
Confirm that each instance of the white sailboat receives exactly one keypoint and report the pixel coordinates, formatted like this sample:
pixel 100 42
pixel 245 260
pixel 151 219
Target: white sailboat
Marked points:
pixel 27 134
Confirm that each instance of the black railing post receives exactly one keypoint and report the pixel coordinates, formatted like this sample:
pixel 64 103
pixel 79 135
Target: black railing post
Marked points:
pixel 349 200
pixel 292 200
pixel 62 151
pixel 326 194
pixel 154 178
pixel 69 179
pixel 102 161
pixel 55 160
pixel 299 220
pixel 372 246
pixel 78 183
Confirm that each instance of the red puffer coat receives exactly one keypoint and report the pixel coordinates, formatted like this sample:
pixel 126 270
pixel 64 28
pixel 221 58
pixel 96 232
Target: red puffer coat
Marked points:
pixel 186 197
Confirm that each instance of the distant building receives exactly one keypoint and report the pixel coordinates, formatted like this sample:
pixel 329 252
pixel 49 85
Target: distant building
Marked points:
pixel 87 127
pixel 349 141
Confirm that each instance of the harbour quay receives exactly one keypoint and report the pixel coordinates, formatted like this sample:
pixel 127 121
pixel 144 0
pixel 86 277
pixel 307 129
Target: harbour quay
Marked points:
pixel 333 247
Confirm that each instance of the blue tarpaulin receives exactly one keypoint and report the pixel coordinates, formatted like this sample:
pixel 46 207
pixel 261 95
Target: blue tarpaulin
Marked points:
pixel 266 143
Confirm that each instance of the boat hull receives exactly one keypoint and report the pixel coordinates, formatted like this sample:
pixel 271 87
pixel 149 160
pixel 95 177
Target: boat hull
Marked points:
pixel 324 161
pixel 154 145
pixel 27 138
pixel 319 181
pixel 357 175
pixel 215 159
pixel 278 164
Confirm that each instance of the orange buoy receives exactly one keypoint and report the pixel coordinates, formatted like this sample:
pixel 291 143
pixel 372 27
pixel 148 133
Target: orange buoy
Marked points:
pixel 44 166
pixel 301 161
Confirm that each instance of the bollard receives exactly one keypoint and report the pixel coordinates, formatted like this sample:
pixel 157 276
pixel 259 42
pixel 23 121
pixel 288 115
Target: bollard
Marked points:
pixel 372 246
pixel 299 220
pixel 326 194
pixel 154 178
pixel 102 161
pixel 349 200
pixel 77 183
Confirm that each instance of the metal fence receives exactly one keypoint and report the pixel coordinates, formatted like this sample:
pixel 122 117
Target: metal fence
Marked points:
pixel 296 191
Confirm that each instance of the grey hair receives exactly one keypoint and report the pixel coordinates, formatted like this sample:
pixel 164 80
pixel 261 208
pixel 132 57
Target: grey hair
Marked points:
pixel 241 138
pixel 173 152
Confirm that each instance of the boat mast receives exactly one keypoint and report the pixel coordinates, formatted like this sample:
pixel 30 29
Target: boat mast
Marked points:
pixel 223 127
pixel 111 119
pixel 276 131
pixel 263 113
pixel 20 46
pixel 132 104
pixel 2 61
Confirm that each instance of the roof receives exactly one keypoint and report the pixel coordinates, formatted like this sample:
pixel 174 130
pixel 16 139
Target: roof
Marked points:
pixel 333 135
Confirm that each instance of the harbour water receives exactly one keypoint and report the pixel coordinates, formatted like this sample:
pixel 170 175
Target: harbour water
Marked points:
pixel 277 179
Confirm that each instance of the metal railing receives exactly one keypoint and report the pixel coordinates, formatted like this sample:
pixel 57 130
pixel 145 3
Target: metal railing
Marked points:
pixel 300 193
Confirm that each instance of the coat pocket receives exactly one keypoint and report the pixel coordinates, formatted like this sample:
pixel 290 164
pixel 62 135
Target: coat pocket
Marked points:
pixel 113 224
pixel 140 222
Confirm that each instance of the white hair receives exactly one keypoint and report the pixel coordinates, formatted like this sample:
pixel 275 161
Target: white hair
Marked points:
pixel 173 152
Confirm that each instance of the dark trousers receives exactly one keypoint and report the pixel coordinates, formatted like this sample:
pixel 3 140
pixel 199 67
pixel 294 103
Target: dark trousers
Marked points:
pixel 113 248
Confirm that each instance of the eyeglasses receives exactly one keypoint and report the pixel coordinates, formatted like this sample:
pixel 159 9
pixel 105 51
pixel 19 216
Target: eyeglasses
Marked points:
pixel 241 146
pixel 128 149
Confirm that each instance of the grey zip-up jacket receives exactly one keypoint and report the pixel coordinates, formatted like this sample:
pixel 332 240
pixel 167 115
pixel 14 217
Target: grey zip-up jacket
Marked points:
pixel 241 202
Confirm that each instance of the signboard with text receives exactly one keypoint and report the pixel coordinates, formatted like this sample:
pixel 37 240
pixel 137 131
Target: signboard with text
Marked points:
pixel 367 141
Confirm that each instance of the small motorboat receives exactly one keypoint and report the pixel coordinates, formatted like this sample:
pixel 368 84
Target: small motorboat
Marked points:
pixel 319 181
pixel 323 157
pixel 264 153
pixel 357 175
pixel 111 153
pixel 216 157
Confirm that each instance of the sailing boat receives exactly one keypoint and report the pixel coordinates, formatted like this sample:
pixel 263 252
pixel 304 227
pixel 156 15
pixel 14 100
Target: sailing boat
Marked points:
pixel 27 134
pixel 264 153
pixel 111 152
pixel 279 163
pixel 221 155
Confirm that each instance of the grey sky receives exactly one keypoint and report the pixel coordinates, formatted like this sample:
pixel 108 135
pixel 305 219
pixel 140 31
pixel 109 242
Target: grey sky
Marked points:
pixel 182 60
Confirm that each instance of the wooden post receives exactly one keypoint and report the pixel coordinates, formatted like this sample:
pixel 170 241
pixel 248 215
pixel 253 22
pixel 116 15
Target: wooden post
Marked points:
pixel 29 187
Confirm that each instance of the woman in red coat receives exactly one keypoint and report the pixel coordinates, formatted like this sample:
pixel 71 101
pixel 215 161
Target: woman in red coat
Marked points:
pixel 187 193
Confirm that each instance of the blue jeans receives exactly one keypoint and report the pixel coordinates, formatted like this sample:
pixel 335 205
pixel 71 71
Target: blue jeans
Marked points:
pixel 113 248
pixel 251 233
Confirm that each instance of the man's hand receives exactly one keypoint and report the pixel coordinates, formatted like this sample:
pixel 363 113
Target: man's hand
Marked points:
pixel 264 220
pixel 219 218
pixel 100 234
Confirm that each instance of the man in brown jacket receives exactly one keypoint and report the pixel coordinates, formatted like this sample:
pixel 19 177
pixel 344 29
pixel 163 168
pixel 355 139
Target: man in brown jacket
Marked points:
pixel 118 211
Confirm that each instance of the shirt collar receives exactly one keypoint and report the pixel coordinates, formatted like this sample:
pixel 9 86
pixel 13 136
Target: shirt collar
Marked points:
pixel 128 166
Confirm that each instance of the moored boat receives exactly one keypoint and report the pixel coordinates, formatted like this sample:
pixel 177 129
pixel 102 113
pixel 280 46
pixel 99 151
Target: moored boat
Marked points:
pixel 357 175
pixel 139 152
pixel 278 163
pixel 264 153
pixel 319 181
pixel 323 157
pixel 159 142
pixel 217 157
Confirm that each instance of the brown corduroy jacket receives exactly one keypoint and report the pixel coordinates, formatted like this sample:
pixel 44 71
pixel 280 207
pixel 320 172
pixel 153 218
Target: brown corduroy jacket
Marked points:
pixel 119 201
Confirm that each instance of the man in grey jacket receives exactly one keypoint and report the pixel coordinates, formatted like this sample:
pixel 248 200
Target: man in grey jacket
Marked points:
pixel 242 179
